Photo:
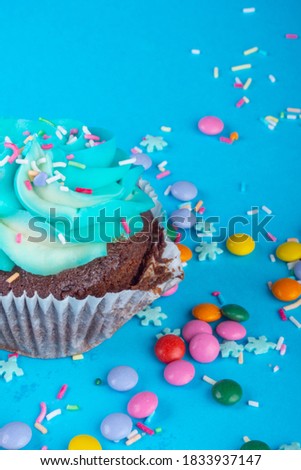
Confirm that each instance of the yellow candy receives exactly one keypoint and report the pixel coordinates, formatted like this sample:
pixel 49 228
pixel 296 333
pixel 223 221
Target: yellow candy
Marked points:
pixel 289 251
pixel 286 289
pixel 240 244
pixel 206 312
pixel 84 442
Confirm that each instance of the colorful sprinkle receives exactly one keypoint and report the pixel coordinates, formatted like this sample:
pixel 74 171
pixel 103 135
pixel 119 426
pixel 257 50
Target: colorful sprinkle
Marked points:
pixel 293 110
pixel 136 150
pixel 294 321
pixel 77 165
pixel 283 350
pixel 133 439
pixel 240 358
pixel 41 428
pixel 249 10
pixel 247 84
pixel 252 50
pixel 226 140
pixel 84 190
pixel 163 174
pixel 62 392
pixel 19 238
pixel 291 36
pixel 279 343
pixel 125 226
pixel 15 149
pixel 240 103
pixel 255 404
pixel 91 137
pixel 52 179
pixel 53 414
pixel 272 78
pixel 168 129
pixel 266 209
pixel 292 306
pixel 235 68
pixel 42 413
pixel 77 357
pixel 72 407
pixel 47 121
pixel 12 278
pixel 167 190
pixel 127 162
pixel 271 237
pixel 198 206
pixel 144 428
pixel 209 380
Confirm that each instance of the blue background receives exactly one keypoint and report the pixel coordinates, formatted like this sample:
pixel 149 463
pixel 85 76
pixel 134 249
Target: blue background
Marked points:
pixel 127 65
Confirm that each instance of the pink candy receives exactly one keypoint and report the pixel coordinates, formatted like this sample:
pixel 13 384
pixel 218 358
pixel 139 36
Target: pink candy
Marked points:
pixel 231 330
pixel 195 327
pixel 170 291
pixel 210 125
pixel 142 405
pixel 179 372
pixel 204 347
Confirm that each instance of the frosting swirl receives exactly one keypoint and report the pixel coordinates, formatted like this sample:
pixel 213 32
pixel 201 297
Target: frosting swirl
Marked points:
pixel 63 195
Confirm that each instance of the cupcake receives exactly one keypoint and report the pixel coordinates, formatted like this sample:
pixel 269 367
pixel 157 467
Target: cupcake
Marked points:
pixel 81 245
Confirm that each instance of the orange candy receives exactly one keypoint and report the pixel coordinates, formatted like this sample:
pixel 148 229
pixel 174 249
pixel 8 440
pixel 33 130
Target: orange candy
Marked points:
pixel 206 312
pixel 286 289
pixel 234 136
pixel 185 252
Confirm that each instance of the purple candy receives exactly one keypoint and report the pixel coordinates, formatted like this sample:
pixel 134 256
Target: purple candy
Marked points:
pixel 143 160
pixel 184 191
pixel 183 218
pixel 116 426
pixel 122 378
pixel 297 270
pixel 15 435
pixel 40 179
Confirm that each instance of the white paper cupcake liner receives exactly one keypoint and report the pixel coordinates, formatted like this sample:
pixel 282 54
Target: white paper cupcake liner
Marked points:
pixel 51 328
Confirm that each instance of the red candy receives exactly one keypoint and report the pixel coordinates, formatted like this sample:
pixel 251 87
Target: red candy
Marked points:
pixel 169 348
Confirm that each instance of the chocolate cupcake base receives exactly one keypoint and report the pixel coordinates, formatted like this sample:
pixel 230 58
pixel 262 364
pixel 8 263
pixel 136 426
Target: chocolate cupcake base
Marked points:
pixel 52 325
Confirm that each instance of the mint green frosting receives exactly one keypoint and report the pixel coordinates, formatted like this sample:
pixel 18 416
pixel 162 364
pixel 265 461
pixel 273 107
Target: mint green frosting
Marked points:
pixel 58 229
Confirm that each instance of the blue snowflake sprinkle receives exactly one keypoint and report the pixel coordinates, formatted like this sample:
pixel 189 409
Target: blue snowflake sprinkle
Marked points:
pixel 292 446
pixel 10 368
pixel 208 251
pixel 151 315
pixel 168 331
pixel 153 143
pixel 231 348
pixel 259 345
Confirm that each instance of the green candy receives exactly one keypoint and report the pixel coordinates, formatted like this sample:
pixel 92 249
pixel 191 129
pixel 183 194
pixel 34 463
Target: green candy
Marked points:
pixel 255 445
pixel 171 233
pixel 227 392
pixel 235 312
